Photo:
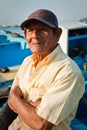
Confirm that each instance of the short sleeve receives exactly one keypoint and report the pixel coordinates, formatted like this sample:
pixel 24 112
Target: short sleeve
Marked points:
pixel 62 97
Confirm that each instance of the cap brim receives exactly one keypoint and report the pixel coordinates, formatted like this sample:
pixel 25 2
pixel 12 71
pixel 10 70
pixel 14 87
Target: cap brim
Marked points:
pixel 28 21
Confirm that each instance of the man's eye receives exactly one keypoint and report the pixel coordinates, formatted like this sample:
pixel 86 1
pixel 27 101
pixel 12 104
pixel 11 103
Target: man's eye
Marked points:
pixel 37 29
pixel 30 30
pixel 42 30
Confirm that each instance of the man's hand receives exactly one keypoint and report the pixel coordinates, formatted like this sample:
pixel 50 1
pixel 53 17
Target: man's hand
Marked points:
pixel 17 91
pixel 13 96
pixel 35 104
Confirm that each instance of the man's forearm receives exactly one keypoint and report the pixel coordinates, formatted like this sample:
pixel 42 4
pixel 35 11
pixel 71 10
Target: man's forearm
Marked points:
pixel 27 111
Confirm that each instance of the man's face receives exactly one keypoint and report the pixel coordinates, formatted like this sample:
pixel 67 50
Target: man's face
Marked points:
pixel 41 38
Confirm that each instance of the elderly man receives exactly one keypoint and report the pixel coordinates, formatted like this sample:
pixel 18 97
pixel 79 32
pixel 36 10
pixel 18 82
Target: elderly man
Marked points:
pixel 48 86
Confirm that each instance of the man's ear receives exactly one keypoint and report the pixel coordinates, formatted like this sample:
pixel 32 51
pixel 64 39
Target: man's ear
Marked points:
pixel 59 33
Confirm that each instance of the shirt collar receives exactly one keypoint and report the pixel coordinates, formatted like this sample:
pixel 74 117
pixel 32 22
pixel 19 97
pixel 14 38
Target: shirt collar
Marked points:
pixel 48 58
pixel 55 53
pixel 35 59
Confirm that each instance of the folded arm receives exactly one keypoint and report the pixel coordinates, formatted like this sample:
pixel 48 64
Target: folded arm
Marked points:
pixel 27 111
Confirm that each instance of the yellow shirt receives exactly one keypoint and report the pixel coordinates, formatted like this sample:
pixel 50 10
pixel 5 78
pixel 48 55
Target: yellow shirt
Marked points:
pixel 56 80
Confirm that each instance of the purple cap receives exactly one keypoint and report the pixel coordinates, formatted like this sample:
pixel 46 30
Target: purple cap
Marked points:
pixel 43 15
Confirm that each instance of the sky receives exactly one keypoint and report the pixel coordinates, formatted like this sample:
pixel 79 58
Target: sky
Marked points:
pixel 13 12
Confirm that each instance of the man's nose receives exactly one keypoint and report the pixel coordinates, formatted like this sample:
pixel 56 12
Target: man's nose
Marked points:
pixel 35 32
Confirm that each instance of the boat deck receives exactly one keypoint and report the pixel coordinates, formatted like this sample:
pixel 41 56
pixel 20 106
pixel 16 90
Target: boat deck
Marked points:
pixel 9 76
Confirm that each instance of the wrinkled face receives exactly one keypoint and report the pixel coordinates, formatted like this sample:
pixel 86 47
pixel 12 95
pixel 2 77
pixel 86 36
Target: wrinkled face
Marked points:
pixel 41 38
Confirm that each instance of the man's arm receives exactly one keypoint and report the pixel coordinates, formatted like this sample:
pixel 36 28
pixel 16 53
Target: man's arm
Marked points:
pixel 27 111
